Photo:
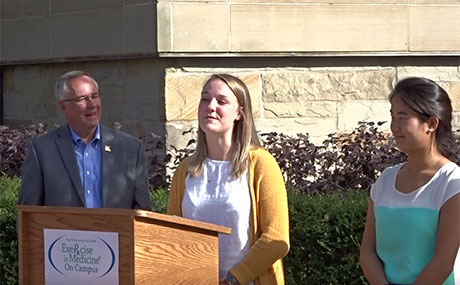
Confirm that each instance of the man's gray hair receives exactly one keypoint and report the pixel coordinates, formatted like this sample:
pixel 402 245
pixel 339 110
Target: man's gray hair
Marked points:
pixel 61 89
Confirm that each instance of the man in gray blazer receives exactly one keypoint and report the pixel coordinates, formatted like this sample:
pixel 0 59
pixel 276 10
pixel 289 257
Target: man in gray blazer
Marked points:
pixel 84 164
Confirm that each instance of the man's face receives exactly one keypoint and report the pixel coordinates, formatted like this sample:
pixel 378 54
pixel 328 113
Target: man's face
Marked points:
pixel 82 115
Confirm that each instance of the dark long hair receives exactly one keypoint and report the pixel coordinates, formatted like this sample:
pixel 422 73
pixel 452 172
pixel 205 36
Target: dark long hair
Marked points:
pixel 427 99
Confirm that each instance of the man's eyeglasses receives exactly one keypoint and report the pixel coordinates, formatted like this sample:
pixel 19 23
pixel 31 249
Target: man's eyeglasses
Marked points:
pixel 83 99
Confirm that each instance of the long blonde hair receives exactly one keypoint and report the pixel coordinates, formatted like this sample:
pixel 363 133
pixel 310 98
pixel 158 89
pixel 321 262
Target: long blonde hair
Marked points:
pixel 244 136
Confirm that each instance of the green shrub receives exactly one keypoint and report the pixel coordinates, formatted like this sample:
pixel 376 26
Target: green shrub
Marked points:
pixel 159 200
pixel 325 234
pixel 9 188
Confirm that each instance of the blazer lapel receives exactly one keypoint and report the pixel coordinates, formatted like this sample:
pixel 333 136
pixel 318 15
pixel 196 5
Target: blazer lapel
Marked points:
pixel 108 160
pixel 67 151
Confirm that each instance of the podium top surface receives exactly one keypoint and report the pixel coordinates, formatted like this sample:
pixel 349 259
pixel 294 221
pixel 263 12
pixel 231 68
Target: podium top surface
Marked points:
pixel 135 213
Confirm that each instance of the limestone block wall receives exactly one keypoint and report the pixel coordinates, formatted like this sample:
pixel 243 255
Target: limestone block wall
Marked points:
pixel 290 95
pixel 316 66
pixel 317 101
pixel 37 31
pixel 131 93
pixel 308 27
pixel 58 30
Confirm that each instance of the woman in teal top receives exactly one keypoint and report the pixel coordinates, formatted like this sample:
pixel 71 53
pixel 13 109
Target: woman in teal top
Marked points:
pixel 412 232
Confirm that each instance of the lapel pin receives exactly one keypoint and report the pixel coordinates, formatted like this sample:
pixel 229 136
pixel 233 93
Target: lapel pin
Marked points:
pixel 107 148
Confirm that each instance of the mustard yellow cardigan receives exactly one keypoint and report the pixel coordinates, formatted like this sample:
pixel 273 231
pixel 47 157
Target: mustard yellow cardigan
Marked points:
pixel 269 234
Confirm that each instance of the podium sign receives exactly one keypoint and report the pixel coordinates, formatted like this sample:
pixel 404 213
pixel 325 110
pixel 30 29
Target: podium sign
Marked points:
pixel 148 247
pixel 80 257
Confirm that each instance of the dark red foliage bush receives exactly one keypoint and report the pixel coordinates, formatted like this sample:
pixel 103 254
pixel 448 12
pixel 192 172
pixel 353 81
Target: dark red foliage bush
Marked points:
pixel 13 144
pixel 342 162
pixel 156 159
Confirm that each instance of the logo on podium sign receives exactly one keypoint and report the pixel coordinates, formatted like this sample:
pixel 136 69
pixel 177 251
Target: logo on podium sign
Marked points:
pixel 80 257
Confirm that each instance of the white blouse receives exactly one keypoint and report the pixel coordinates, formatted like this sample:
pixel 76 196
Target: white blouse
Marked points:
pixel 215 197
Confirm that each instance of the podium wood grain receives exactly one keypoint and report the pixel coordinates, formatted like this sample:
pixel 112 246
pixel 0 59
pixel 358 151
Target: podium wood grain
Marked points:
pixel 153 248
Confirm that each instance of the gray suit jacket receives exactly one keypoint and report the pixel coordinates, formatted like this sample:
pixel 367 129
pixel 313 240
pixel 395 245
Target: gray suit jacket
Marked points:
pixel 50 174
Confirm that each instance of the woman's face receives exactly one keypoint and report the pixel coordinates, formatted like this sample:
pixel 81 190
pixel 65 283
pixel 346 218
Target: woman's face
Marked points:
pixel 409 132
pixel 218 109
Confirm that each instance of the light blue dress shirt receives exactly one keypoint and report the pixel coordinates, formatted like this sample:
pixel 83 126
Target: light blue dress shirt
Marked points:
pixel 89 163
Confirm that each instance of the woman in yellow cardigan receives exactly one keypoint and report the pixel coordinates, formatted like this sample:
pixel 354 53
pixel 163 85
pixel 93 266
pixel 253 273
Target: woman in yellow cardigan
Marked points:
pixel 230 180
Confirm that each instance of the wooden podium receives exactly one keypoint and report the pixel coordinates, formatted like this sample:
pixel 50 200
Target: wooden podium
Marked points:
pixel 153 248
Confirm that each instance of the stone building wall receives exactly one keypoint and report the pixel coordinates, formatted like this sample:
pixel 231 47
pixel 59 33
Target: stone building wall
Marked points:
pixel 316 66
pixel 294 27
pixel 315 96
pixel 130 93
pixel 317 101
